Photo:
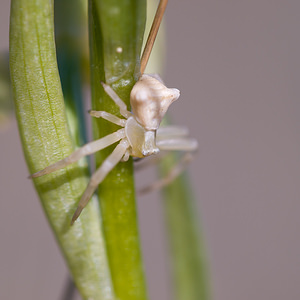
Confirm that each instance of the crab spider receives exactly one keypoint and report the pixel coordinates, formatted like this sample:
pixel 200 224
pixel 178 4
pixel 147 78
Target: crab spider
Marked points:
pixel 140 135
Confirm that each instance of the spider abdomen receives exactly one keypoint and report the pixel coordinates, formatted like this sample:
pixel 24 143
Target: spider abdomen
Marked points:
pixel 150 100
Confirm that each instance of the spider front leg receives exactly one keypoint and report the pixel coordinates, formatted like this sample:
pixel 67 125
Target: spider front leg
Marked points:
pixel 179 143
pixel 166 132
pixel 109 163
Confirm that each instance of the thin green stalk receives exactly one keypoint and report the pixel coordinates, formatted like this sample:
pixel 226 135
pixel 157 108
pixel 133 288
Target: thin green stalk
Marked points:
pixel 187 251
pixel 45 138
pixel 116 32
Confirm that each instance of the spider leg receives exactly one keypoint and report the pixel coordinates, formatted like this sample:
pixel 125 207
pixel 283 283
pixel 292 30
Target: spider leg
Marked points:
pixel 107 116
pixel 113 95
pixel 169 131
pixel 177 144
pixel 187 145
pixel 109 163
pixel 87 149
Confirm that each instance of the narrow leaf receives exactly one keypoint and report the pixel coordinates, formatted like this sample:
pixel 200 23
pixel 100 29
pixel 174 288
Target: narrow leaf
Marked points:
pixel 45 138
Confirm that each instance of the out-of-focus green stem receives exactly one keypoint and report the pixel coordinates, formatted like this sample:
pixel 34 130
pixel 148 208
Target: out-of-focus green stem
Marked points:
pixel 45 138
pixel 71 44
pixel 116 32
pixel 188 255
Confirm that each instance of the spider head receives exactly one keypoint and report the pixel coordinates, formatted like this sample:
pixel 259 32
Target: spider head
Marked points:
pixel 150 100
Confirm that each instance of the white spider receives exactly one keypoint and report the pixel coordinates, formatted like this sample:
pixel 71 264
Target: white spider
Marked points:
pixel 140 135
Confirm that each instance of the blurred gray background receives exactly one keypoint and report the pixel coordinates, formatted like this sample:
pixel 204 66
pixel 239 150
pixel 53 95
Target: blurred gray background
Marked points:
pixel 238 68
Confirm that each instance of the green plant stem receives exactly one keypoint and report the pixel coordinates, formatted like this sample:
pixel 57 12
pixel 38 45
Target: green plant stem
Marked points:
pixel 188 255
pixel 45 138
pixel 116 24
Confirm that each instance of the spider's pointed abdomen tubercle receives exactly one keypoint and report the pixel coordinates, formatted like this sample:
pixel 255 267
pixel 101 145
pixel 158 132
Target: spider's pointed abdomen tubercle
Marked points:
pixel 150 100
